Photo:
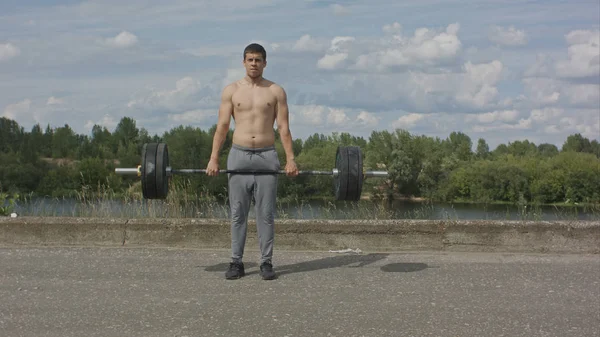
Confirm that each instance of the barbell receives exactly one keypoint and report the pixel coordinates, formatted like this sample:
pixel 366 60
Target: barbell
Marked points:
pixel 155 171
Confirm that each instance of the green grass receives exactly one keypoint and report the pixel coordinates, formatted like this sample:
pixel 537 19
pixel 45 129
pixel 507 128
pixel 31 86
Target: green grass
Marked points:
pixel 7 203
pixel 566 203
pixel 186 201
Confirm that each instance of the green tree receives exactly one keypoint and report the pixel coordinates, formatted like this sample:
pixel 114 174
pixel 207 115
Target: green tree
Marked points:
pixel 48 142
pixel 60 181
pixel 315 140
pixel 102 142
pixel 459 145
pixel 64 142
pixel 595 147
pixel 11 135
pixel 522 148
pixel 406 163
pixel 483 149
pixel 93 173
pixel 431 171
pixel 126 133
pixel 577 143
pixel 547 150
pixel 500 150
pixel 36 138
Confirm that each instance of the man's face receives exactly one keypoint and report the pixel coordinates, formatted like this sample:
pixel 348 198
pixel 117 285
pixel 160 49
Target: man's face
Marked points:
pixel 254 64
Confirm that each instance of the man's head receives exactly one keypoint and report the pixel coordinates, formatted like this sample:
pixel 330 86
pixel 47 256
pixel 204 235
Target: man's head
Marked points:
pixel 255 60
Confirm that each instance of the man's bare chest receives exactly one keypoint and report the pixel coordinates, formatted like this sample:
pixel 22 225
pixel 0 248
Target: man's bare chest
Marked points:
pixel 255 99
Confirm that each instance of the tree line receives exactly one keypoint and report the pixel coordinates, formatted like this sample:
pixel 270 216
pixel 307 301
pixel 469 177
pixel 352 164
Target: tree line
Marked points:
pixel 58 162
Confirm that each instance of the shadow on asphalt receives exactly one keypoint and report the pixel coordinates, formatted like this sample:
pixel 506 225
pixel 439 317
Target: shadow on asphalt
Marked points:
pixel 222 267
pixel 404 267
pixel 349 261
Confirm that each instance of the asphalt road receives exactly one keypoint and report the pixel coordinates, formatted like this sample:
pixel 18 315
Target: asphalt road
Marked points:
pixel 169 292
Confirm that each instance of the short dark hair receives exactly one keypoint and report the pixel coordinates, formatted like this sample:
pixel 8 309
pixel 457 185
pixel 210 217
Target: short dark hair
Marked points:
pixel 255 48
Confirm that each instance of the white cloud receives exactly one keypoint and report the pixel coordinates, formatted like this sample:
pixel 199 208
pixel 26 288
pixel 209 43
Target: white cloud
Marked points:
pixel 17 111
pixel 392 28
pixel 541 91
pixel 188 94
pixel 380 66
pixel 425 47
pixel 332 61
pixel 586 122
pixel 123 40
pixel 232 75
pixel 8 51
pixel 542 67
pixel 583 94
pixel 494 116
pixel 523 124
pixel 337 117
pixel 549 91
pixel 275 46
pixel 549 122
pixel 55 101
pixel 212 50
pixel 582 58
pixel 551 130
pixel 474 88
pixel 307 43
pixel 478 87
pixel 408 121
pixel 583 55
pixel 323 117
pixel 269 46
pixel 507 36
pixel 546 114
pixel 484 73
pixel 337 53
pixel 339 10
pixel 309 114
pixel 193 116
pixel 341 43
pixel 509 120
pixel 27 113
pixel 108 121
pixel 367 119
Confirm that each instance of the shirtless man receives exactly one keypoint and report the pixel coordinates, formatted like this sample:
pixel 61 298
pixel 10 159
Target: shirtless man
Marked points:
pixel 255 104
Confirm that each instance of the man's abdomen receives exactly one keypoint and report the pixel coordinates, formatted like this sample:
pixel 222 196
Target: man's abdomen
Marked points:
pixel 253 132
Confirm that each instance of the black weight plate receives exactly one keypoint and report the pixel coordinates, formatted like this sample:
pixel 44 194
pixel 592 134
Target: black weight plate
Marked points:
pixel 361 176
pixel 341 180
pixel 162 161
pixel 143 170
pixel 354 173
pixel 149 174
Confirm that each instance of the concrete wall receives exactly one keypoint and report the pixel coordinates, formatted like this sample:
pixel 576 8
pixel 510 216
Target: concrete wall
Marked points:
pixel 366 235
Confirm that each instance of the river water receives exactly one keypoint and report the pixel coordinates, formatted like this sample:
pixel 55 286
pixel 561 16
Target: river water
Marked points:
pixel 307 210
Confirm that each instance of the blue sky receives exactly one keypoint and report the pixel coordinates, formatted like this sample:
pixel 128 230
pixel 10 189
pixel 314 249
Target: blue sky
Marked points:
pixel 499 70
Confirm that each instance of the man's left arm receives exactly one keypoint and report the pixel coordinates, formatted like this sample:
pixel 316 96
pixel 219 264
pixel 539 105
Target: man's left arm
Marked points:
pixel 283 126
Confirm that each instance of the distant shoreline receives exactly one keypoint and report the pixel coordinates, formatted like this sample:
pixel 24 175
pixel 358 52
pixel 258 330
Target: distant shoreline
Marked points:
pixel 368 197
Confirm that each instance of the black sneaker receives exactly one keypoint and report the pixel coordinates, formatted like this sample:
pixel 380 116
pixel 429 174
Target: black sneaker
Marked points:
pixel 266 271
pixel 235 271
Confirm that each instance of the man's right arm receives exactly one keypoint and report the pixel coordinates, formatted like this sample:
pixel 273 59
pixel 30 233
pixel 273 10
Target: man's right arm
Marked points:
pixel 225 113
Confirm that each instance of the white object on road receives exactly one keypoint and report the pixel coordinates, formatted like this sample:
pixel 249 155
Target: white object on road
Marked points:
pixel 13 215
pixel 347 250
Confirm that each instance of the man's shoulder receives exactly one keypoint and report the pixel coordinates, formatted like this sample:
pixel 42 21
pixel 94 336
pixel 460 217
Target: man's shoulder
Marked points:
pixel 275 88
pixel 230 88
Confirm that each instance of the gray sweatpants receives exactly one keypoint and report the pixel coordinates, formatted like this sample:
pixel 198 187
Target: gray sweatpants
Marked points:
pixel 243 188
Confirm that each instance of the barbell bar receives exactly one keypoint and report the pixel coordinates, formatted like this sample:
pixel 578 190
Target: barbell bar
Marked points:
pixel 155 171
pixel 171 171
